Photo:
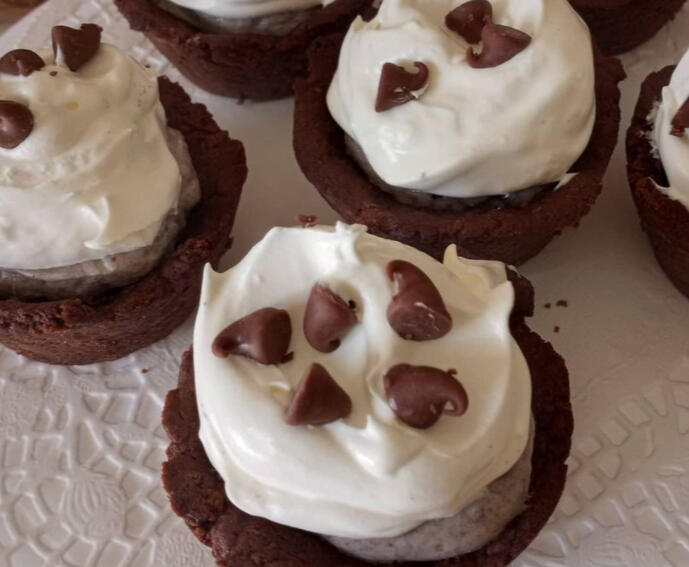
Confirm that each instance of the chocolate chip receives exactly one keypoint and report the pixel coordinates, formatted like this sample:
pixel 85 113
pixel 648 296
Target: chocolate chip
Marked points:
pixel 500 44
pixel 327 319
pixel 681 120
pixel 417 312
pixel 76 47
pixel 419 395
pixel 21 62
pixel 318 399
pixel 397 85
pixel 468 19
pixel 263 336
pixel 16 123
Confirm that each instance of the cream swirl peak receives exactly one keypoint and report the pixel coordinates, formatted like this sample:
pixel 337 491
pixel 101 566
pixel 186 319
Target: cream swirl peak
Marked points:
pixel 95 176
pixel 521 122
pixel 673 148
pixel 362 471
pixel 236 9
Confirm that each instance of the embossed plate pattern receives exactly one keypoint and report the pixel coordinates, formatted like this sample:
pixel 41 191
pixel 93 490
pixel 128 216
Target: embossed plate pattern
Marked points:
pixel 81 447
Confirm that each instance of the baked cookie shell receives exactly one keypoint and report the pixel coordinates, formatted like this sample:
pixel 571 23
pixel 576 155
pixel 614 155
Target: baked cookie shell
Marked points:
pixel 512 236
pixel 197 493
pixel 72 331
pixel 239 65
pixel 665 221
pixel 621 25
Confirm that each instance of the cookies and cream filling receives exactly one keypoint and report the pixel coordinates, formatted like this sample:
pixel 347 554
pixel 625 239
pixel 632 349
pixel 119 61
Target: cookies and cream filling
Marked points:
pixel 94 175
pixel 671 132
pixel 467 99
pixel 355 387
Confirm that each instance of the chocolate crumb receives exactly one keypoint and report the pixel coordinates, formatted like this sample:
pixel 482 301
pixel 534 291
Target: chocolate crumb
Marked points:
pixel 562 303
pixel 307 221
pixel 53 73
pixel 548 305
pixel 556 329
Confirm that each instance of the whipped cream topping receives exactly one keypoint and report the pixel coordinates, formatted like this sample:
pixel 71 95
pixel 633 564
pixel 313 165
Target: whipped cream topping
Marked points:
pixel 95 177
pixel 674 150
pixel 471 132
pixel 248 8
pixel 368 475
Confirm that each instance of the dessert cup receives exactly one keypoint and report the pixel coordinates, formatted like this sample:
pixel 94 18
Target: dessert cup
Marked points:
pixel 112 319
pixel 199 494
pixel 510 226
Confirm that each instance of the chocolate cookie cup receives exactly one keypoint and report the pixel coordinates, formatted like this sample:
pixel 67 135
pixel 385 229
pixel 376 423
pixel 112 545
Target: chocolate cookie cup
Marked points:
pixel 621 25
pixel 510 235
pixel 237 539
pixel 665 220
pixel 240 65
pixel 79 331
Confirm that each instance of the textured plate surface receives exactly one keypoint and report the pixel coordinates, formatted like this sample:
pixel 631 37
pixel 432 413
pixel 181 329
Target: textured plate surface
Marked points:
pixel 81 447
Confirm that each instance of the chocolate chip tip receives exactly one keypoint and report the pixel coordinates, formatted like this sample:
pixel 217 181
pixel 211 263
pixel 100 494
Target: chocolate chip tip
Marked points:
pixel 318 399
pixel 263 336
pixel 420 395
pixel 500 45
pixel 327 319
pixel 397 85
pixel 21 62
pixel 16 123
pixel 77 46
pixel 417 311
pixel 468 19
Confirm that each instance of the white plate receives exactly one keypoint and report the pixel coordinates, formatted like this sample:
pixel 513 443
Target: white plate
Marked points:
pixel 81 447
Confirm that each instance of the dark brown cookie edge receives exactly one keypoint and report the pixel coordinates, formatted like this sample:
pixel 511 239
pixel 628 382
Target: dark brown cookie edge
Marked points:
pixel 239 65
pixel 75 332
pixel 622 26
pixel 665 221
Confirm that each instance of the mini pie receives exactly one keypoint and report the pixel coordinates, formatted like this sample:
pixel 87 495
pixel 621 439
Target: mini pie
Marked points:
pixel 365 404
pixel 240 49
pixel 115 191
pixel 621 25
pixel 657 158
pixel 495 146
